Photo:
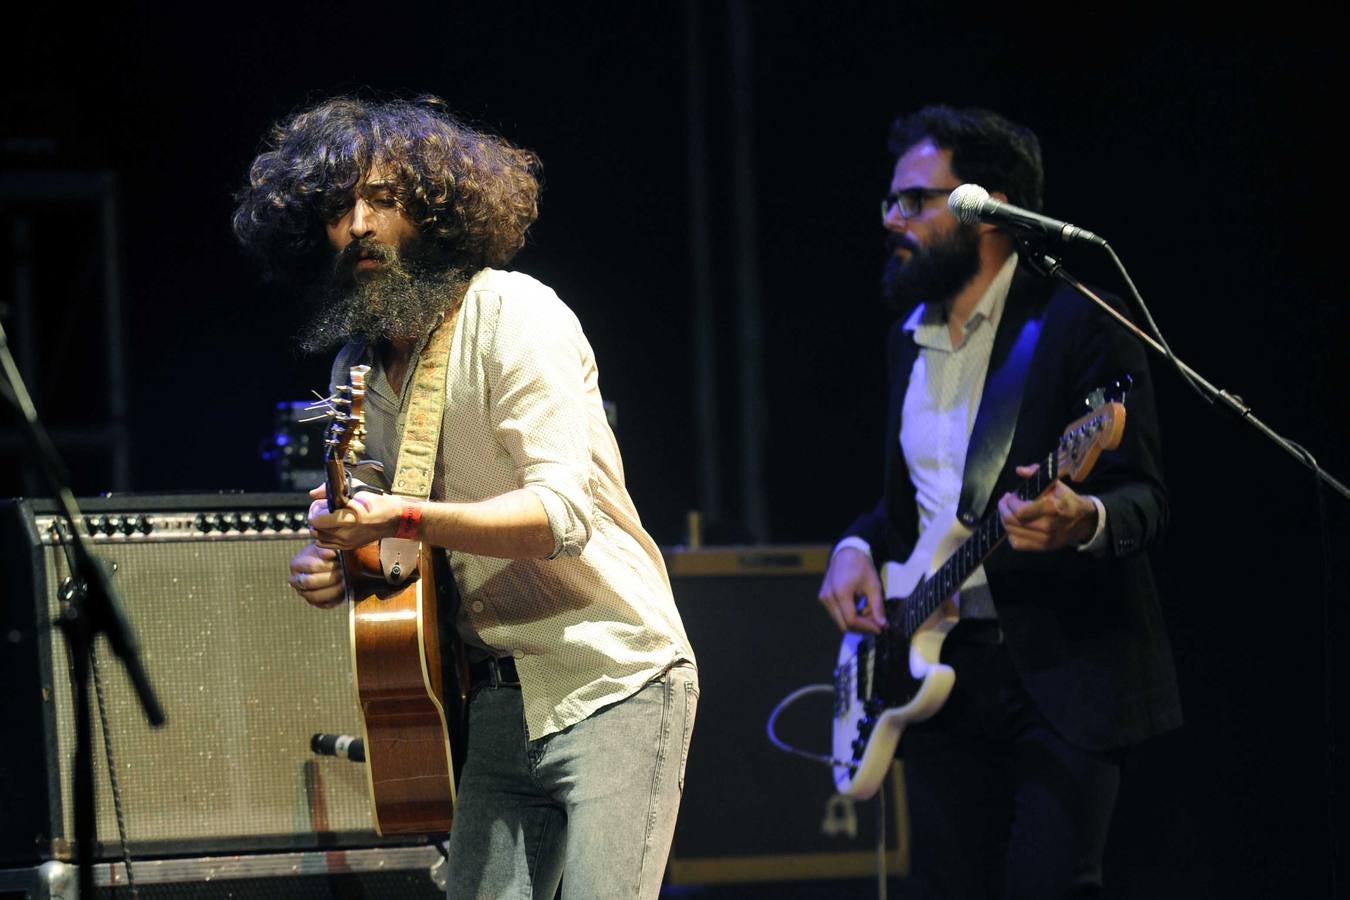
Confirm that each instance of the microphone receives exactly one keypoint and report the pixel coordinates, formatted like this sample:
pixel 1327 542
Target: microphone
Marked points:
pixel 971 203
pixel 343 745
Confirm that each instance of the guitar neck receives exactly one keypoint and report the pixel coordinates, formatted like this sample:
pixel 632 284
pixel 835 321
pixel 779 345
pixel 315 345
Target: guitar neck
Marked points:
pixel 974 550
pixel 335 479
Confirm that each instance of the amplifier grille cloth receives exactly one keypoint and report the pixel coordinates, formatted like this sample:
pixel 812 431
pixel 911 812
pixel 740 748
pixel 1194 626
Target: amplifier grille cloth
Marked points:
pixel 246 672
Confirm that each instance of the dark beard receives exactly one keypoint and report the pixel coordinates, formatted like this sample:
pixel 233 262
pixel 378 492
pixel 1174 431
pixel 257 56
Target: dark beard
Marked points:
pixel 403 299
pixel 932 275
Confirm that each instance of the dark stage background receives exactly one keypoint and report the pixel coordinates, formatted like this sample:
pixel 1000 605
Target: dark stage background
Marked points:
pixel 1203 154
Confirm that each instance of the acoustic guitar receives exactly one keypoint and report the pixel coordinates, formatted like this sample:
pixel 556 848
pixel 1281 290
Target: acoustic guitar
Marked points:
pixel 409 713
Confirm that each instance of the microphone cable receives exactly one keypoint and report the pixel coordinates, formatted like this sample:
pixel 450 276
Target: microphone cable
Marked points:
pixel 67 593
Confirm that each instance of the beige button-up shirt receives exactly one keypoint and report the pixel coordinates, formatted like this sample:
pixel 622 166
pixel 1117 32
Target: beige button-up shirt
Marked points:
pixel 596 621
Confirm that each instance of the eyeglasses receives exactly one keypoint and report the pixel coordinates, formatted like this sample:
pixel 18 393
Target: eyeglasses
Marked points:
pixel 910 201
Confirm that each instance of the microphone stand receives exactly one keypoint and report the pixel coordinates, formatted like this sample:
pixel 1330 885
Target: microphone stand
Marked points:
pixel 93 608
pixel 1051 267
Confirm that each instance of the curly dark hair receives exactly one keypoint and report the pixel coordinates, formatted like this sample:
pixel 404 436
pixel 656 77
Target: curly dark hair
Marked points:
pixel 987 149
pixel 472 193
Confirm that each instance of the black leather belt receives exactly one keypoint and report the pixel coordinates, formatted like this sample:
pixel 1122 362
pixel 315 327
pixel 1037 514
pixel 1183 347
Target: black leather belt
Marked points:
pixel 495 670
pixel 977 631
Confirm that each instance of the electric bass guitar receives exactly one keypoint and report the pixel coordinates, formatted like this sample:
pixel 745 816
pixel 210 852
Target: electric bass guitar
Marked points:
pixel 883 682
pixel 396 652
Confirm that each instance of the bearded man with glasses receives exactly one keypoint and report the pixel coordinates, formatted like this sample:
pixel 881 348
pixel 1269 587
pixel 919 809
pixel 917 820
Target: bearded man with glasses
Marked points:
pixel 1060 658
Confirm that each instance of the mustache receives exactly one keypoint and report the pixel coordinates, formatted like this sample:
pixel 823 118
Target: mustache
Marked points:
pixel 896 242
pixel 363 248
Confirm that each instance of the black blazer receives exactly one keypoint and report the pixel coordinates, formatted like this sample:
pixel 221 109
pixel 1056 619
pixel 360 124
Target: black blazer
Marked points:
pixel 1085 631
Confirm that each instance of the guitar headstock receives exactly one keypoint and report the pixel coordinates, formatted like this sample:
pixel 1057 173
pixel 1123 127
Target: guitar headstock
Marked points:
pixel 1084 440
pixel 346 437
pixel 347 432
pixel 1115 392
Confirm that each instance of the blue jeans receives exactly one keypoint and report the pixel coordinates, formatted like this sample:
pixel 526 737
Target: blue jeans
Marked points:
pixel 596 801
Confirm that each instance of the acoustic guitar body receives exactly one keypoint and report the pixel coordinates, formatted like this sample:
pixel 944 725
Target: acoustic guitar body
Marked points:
pixel 397 661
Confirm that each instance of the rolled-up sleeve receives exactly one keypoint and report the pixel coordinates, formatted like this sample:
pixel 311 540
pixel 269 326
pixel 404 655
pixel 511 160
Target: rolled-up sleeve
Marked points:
pixel 540 372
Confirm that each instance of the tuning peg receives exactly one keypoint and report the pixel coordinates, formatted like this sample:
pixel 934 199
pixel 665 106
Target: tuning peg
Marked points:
pixel 1119 388
pixel 1113 393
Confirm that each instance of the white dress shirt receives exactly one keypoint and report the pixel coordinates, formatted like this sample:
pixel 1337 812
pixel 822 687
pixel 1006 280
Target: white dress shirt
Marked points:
pixel 946 385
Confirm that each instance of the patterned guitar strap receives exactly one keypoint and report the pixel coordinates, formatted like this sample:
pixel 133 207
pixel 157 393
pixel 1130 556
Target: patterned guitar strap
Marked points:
pixel 418 443
pixel 412 478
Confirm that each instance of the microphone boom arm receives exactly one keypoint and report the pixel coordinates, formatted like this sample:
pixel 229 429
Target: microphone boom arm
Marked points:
pixel 1050 266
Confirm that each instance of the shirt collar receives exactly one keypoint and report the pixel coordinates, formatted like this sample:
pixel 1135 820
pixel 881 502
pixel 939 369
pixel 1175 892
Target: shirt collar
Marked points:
pixel 926 321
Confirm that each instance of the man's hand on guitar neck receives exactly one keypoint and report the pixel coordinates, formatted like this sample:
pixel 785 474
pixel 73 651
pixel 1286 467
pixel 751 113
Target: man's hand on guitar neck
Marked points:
pixel 850 576
pixel 366 518
pixel 1060 517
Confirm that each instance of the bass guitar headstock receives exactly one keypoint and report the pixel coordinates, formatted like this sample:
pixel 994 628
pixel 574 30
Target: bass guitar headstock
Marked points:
pixel 1083 441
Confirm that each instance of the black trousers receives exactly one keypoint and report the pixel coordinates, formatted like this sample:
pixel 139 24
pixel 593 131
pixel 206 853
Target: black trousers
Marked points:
pixel 1001 805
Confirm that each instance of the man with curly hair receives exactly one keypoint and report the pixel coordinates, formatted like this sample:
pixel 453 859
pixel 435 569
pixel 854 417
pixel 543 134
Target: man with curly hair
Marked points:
pixel 395 216
pixel 1060 657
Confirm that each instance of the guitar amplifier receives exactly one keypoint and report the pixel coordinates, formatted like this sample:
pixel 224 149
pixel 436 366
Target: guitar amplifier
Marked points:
pixel 246 671
pixel 410 873
pixel 752 812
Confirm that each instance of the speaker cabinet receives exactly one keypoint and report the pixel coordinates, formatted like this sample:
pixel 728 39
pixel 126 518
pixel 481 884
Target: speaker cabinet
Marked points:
pixel 246 672
pixel 750 811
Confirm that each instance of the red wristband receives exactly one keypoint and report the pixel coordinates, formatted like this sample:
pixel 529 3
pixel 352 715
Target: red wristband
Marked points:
pixel 409 522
